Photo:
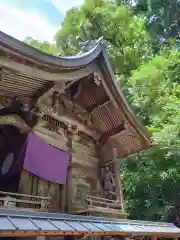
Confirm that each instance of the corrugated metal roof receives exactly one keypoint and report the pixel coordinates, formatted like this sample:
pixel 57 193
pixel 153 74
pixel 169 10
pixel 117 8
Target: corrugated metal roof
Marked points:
pixel 21 223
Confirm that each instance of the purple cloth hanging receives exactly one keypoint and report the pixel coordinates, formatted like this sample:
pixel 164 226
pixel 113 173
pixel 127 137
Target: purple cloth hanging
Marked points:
pixel 45 161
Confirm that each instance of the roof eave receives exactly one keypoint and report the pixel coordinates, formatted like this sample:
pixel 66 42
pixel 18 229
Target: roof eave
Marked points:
pixel 23 49
pixel 120 98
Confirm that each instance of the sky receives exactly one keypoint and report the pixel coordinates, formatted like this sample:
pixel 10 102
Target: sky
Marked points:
pixel 39 19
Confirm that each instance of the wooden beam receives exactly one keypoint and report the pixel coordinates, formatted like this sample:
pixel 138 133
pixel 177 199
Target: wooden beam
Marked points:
pixel 2 74
pixel 72 131
pixel 31 233
pixel 119 190
pixel 63 198
pixel 24 195
pixel 68 75
pixel 154 238
pixel 111 133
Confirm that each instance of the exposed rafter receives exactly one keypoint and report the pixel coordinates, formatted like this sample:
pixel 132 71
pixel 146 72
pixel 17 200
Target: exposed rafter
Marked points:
pixel 111 133
pixel 42 93
pixel 97 105
pixel 108 92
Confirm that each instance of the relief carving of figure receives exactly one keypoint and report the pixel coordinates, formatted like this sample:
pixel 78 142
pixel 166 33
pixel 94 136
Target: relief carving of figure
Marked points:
pixel 109 184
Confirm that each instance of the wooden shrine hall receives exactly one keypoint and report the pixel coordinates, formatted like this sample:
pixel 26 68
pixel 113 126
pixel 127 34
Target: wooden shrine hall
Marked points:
pixel 64 125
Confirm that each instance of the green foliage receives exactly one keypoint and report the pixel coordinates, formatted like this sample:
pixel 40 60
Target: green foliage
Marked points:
pixel 152 178
pixel 162 17
pixel 44 47
pixel 124 33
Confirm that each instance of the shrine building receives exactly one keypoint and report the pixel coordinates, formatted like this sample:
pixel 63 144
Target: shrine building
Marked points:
pixel 65 125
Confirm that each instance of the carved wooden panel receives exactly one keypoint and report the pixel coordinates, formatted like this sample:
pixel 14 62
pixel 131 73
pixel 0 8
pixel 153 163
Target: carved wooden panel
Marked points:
pixel 54 125
pixel 108 183
pixel 84 181
pixel 54 192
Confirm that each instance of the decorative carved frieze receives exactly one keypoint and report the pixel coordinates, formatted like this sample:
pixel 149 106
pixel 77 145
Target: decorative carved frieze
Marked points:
pixel 21 108
pixel 59 104
pixel 55 125
pixel 70 131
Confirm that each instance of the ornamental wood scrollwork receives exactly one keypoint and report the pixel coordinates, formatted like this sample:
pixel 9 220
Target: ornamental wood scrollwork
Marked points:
pixel 31 115
pixel 18 113
pixel 5 101
pixel 97 79
pixel 66 130
pixel 15 121
pixel 54 125
pixel 59 104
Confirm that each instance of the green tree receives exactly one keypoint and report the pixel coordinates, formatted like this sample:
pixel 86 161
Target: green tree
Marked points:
pixel 152 178
pixel 163 18
pixel 45 46
pixel 123 32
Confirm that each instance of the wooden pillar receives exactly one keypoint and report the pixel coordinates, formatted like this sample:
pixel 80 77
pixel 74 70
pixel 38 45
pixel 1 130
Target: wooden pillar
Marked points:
pixel 69 238
pixel 72 131
pixel 119 191
pixel 40 238
pixel 63 198
pixel 153 237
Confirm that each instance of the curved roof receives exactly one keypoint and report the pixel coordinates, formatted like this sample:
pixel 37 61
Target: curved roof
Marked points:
pixel 106 104
pixel 60 61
